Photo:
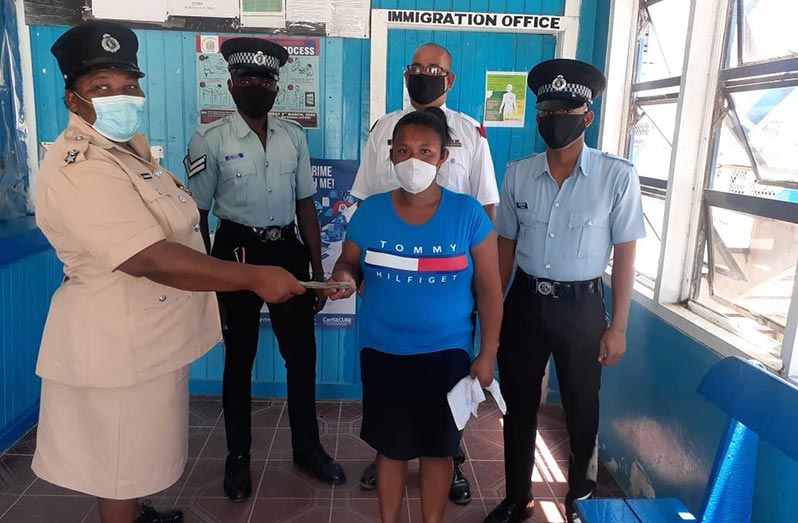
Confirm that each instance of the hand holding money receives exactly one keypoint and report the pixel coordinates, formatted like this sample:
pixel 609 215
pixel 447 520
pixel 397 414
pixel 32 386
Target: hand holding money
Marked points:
pixel 327 285
pixel 341 285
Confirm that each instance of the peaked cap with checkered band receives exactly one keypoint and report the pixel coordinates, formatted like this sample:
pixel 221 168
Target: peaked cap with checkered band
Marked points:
pixel 255 56
pixel 565 84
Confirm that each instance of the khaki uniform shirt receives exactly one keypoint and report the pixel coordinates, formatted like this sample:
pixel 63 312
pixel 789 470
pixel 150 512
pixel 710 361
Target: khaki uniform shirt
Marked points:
pixel 99 204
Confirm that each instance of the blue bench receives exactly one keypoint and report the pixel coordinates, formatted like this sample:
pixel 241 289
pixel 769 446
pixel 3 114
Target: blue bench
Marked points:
pixel 759 405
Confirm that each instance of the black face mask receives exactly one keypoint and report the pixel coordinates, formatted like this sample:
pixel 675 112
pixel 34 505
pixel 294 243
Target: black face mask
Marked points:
pixel 424 88
pixel 560 130
pixel 253 101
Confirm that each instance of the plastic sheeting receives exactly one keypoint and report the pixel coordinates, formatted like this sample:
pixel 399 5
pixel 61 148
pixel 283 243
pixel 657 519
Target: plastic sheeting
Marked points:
pixel 13 128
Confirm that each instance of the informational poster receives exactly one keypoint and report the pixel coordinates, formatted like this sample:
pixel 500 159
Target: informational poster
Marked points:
pixel 505 99
pixel 334 179
pixel 297 98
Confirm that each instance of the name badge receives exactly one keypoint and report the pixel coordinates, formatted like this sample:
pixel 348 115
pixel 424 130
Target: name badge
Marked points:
pixel 521 205
pixel 231 157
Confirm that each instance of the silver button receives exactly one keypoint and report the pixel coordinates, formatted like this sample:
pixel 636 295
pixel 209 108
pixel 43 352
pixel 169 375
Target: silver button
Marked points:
pixel 160 191
pixel 78 138
pixel 156 173
pixel 267 163
pixel 196 228
pixel 556 204
pixel 269 189
pixel 182 199
pixel 271 218
pixel 548 266
pixel 238 175
pixel 161 298
pixel 551 235
pixel 589 223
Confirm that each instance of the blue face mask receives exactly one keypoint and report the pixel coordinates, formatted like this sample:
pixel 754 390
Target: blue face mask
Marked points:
pixel 118 117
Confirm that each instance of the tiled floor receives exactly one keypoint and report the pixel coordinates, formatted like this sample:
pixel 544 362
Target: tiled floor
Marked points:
pixel 284 494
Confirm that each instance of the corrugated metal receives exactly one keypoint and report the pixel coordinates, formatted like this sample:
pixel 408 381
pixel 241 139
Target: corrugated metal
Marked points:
pixel 26 286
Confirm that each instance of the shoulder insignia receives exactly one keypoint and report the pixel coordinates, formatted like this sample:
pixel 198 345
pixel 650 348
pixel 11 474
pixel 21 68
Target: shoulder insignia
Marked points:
pixel 195 166
pixel 71 156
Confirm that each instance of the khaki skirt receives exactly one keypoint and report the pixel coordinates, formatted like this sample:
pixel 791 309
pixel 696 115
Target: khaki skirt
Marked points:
pixel 121 443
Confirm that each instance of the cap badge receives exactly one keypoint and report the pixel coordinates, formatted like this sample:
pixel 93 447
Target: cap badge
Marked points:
pixel 559 83
pixel 110 43
pixel 260 59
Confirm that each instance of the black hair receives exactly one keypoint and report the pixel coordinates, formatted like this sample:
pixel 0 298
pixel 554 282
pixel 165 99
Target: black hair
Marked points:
pixel 432 118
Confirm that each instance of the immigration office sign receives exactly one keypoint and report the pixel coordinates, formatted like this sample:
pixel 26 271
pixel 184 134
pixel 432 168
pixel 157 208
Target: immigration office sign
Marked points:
pixel 481 21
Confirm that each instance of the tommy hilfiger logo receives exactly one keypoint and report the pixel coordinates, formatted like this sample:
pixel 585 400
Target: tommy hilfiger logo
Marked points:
pixel 456 263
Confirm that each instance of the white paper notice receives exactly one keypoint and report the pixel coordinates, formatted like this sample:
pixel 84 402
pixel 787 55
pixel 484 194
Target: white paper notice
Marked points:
pixel 211 8
pixel 141 10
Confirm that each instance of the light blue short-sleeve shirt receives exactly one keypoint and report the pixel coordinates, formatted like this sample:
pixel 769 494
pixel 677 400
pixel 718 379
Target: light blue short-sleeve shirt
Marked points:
pixel 567 234
pixel 227 163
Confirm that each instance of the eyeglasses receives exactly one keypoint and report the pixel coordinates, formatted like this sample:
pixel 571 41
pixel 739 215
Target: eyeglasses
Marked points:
pixel 248 81
pixel 431 70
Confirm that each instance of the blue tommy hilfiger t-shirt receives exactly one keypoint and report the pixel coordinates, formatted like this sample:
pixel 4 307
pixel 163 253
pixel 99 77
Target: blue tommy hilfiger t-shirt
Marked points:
pixel 417 295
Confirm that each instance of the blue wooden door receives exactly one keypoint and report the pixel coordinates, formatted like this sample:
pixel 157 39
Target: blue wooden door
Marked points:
pixel 473 54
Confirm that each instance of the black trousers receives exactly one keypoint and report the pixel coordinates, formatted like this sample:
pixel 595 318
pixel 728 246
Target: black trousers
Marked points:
pixel 293 326
pixel 534 328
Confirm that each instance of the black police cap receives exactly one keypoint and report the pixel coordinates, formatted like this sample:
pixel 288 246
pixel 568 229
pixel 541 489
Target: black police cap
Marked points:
pixel 257 56
pixel 565 84
pixel 95 45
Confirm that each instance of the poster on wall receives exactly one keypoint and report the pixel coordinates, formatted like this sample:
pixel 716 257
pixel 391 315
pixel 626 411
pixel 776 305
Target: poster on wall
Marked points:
pixel 297 98
pixel 333 179
pixel 505 99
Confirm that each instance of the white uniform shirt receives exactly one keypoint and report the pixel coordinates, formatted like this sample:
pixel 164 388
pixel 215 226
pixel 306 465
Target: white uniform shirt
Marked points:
pixel 468 170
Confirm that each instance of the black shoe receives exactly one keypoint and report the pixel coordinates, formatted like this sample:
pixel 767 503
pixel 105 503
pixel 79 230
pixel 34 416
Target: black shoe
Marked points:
pixel 368 480
pixel 321 466
pixel 510 512
pixel 460 491
pixel 150 515
pixel 237 481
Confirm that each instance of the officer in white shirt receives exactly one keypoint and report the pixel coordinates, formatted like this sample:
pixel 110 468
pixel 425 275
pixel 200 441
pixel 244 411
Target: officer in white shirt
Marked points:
pixel 468 170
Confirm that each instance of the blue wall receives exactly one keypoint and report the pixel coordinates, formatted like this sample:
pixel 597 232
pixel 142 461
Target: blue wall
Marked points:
pixel 29 274
pixel 659 437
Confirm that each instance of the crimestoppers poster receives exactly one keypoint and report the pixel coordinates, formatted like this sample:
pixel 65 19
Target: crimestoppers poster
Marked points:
pixel 333 179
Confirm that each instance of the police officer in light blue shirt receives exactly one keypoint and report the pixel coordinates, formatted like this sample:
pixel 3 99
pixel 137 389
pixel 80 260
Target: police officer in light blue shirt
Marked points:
pixel 256 169
pixel 561 215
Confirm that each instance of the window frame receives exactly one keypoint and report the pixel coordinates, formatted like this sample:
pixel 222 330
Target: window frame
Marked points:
pixel 692 155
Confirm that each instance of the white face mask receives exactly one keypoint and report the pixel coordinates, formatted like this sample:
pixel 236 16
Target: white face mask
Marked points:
pixel 415 175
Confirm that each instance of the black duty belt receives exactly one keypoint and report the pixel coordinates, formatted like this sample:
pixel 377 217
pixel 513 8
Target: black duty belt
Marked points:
pixel 559 289
pixel 264 234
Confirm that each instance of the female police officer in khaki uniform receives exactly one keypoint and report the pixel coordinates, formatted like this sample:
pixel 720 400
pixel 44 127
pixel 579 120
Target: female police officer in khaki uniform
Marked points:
pixel 133 311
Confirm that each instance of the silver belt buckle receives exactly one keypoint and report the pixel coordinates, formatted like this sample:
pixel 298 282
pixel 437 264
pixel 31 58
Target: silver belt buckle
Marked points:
pixel 545 288
pixel 273 234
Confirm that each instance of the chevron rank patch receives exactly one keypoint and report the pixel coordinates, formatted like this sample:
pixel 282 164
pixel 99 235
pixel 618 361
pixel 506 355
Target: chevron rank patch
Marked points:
pixel 196 166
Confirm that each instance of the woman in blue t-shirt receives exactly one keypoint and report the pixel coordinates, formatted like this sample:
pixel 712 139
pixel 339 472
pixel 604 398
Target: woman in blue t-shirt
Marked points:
pixel 420 251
